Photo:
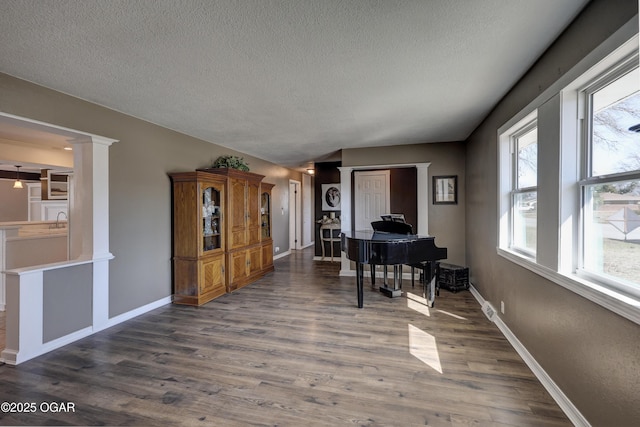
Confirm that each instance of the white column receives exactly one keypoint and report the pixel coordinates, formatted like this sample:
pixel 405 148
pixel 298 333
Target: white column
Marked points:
pixel 345 213
pixel 89 218
pixel 423 187
pixel 24 317
pixel 5 231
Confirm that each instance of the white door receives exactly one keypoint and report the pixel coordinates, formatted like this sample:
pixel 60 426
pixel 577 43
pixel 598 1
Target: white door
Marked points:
pixel 372 197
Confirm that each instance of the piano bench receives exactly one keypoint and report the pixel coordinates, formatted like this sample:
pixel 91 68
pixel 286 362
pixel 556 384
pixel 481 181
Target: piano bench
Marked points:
pixel 452 277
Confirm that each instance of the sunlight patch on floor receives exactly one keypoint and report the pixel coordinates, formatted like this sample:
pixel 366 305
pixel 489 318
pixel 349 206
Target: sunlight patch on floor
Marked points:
pixel 423 346
pixel 416 297
pixel 419 307
pixel 452 315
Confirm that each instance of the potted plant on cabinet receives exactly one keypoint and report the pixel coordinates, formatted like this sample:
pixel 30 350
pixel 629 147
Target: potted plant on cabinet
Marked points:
pixel 231 162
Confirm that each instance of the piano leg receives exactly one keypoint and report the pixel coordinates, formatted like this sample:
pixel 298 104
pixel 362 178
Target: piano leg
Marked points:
pixel 430 283
pixel 394 291
pixel 424 280
pixel 397 277
pixel 359 271
pixel 373 275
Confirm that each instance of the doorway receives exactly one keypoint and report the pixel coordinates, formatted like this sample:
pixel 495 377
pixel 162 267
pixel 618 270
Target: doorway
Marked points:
pixel 295 220
pixel 347 174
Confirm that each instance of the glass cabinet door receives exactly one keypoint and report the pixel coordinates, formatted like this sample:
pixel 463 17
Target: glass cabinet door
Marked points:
pixel 265 212
pixel 211 225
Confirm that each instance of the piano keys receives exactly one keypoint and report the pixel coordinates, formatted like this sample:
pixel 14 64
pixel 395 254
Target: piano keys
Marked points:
pixel 381 248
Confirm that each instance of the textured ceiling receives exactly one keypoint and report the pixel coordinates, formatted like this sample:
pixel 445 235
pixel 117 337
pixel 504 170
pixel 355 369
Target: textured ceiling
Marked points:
pixel 287 81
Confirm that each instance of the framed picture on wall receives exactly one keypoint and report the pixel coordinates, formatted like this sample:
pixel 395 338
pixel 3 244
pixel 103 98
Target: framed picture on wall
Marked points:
pixel 445 190
pixel 331 197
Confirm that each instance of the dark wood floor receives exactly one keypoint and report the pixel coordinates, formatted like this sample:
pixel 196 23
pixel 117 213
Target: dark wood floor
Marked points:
pixel 290 350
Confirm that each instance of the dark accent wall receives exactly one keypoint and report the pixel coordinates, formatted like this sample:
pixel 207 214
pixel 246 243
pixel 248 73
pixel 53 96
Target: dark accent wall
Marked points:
pixel 403 193
pixel 24 176
pixel 326 173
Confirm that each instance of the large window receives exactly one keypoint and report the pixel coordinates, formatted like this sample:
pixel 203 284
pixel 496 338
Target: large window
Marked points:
pixel 569 180
pixel 518 207
pixel 524 195
pixel 610 184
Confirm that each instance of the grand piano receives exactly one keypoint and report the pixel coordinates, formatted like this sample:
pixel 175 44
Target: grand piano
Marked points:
pixel 384 248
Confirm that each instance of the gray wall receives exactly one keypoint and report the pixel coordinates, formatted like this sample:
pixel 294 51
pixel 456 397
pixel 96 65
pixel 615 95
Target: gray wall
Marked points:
pixel 139 188
pixel 67 294
pixel 591 353
pixel 13 202
pixel 446 222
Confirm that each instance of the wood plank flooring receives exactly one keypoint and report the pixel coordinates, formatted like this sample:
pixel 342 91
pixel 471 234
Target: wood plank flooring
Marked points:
pixel 290 350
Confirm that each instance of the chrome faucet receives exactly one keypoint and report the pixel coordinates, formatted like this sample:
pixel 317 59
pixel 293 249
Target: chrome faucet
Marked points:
pixel 58 217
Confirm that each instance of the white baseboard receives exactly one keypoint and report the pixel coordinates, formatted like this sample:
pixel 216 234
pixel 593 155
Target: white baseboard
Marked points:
pixel 137 312
pixel 308 244
pixel 13 357
pixel 282 255
pixel 556 393
pixel 9 356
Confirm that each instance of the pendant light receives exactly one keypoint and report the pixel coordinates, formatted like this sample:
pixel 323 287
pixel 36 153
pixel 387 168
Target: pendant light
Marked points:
pixel 17 183
pixel 310 169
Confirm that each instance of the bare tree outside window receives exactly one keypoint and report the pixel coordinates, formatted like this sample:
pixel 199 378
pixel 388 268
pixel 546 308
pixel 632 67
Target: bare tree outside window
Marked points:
pixel 612 200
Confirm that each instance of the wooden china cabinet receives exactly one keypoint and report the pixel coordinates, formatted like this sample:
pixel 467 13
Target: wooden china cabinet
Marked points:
pixel 198 237
pixel 240 246
pixel 245 258
pixel 266 239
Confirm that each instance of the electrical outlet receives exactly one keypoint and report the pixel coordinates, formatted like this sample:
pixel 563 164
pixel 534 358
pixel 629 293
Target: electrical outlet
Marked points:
pixel 502 307
pixel 277 248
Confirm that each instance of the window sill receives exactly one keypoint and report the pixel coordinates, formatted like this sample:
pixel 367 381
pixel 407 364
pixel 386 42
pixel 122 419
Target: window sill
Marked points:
pixel 621 304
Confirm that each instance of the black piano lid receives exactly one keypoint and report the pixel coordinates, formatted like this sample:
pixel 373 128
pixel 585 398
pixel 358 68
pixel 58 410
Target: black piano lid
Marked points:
pixel 383 236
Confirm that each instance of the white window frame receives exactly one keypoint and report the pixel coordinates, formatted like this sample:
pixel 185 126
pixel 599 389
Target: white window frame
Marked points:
pixel 561 228
pixel 587 179
pixel 509 180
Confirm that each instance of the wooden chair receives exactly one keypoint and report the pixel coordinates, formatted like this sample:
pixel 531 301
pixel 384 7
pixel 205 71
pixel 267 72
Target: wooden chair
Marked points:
pixel 327 234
